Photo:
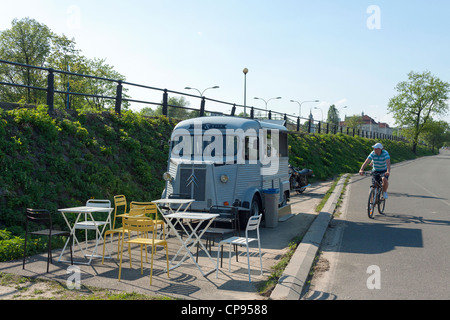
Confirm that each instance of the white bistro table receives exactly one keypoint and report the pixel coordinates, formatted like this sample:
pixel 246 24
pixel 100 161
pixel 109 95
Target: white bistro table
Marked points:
pixel 205 220
pixel 171 203
pixel 89 211
pixel 174 202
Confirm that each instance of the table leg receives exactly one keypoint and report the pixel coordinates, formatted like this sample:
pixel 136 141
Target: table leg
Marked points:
pixel 186 245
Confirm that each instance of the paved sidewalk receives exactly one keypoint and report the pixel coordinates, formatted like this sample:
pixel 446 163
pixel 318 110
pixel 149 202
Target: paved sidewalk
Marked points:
pixel 186 281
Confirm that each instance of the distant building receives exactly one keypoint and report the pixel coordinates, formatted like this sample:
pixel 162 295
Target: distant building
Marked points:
pixel 370 125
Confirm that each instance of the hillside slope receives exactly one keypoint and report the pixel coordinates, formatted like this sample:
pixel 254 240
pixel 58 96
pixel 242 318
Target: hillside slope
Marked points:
pixel 61 161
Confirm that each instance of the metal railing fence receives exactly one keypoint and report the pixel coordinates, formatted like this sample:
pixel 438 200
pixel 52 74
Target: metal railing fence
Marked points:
pixel 292 122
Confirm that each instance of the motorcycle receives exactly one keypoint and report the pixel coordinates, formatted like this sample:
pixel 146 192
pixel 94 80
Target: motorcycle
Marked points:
pixel 298 179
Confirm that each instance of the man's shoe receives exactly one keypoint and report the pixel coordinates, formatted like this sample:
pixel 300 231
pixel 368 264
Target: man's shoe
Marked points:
pixel 385 195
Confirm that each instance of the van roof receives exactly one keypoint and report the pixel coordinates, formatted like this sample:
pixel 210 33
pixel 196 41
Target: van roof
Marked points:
pixel 229 122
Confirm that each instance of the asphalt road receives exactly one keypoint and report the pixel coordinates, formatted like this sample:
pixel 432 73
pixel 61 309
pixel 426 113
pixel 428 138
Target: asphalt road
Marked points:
pixel 404 254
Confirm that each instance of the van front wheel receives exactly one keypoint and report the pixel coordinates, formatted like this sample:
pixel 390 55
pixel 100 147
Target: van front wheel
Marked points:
pixel 255 208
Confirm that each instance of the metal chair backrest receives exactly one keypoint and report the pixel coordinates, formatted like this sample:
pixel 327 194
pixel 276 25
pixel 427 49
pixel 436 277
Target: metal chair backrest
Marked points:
pixel 136 212
pixel 120 201
pixel 137 224
pixel 98 203
pixel 253 224
pixel 150 209
pixel 39 216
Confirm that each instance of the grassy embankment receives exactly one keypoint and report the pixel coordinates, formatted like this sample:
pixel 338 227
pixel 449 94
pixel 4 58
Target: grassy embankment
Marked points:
pixel 61 161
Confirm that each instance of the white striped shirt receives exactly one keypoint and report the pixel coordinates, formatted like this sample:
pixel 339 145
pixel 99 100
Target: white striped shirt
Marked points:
pixel 379 162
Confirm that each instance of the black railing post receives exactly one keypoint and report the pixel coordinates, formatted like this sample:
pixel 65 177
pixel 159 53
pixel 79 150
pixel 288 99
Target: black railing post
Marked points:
pixel 119 97
pixel 202 107
pixel 233 110
pixel 320 124
pixel 298 123
pixel 252 113
pixel 165 103
pixel 50 90
pixel 270 114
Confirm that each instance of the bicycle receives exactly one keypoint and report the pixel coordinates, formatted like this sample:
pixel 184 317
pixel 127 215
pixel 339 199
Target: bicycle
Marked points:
pixel 376 197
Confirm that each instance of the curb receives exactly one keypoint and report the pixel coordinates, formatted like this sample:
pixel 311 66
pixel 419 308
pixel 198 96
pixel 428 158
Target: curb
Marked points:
pixel 293 279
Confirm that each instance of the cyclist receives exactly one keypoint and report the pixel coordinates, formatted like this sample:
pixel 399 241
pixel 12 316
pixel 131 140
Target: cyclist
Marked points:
pixel 381 164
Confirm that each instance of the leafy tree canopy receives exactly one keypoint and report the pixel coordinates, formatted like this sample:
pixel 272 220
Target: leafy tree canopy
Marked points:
pixel 33 43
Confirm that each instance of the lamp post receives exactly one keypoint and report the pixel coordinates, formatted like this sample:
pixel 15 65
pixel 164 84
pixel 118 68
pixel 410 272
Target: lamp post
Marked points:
pixel 245 71
pixel 267 102
pixel 201 93
pixel 300 106
pixel 320 111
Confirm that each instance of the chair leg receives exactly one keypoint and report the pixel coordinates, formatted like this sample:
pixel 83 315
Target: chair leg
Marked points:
pixel 248 264
pixel 104 244
pixel 49 252
pixel 167 260
pixel 24 251
pixel 229 258
pixel 219 249
pixel 260 260
pixel 71 253
pixel 142 266
pixel 121 256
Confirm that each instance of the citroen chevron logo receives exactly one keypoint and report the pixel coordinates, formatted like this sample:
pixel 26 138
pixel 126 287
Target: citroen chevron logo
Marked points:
pixel 192 180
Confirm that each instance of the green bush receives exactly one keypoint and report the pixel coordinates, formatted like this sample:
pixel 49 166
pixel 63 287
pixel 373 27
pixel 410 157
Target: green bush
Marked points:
pixel 11 247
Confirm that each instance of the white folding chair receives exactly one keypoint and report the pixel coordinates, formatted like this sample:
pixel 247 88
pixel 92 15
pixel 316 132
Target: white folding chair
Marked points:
pixel 253 224
pixel 93 224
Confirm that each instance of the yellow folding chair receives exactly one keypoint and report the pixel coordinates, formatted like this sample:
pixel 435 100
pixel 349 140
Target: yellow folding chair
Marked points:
pixel 150 211
pixel 120 203
pixel 142 226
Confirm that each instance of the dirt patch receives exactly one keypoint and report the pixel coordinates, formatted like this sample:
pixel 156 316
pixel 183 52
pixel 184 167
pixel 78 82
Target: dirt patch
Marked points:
pixel 15 287
pixel 322 266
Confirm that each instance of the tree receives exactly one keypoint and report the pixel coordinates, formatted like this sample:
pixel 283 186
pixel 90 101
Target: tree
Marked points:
pixel 30 42
pixel 436 133
pixel 173 112
pixel 26 42
pixel 333 115
pixel 419 98
pixel 354 122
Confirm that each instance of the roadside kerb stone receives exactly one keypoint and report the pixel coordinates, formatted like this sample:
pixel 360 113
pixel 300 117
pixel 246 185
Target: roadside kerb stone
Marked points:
pixel 293 279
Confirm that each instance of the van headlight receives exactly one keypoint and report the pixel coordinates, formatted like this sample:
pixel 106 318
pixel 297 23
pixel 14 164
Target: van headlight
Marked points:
pixel 224 178
pixel 167 176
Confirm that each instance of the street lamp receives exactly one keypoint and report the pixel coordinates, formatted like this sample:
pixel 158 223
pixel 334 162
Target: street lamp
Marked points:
pixel 320 111
pixel 245 71
pixel 339 113
pixel 300 106
pixel 201 93
pixel 267 102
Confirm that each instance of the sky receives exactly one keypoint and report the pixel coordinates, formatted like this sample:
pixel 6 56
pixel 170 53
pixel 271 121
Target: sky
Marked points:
pixel 350 53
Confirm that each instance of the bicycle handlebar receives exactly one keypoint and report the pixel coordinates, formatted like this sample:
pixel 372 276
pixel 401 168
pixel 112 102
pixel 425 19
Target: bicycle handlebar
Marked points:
pixel 373 173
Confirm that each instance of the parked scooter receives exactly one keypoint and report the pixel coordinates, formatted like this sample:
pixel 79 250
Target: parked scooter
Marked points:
pixel 298 179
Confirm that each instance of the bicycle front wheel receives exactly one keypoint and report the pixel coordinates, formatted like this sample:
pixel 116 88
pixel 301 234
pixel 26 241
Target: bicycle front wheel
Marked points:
pixel 381 203
pixel 371 203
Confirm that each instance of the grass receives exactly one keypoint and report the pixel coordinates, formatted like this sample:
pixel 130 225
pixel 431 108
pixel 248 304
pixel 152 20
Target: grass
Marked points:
pixel 267 286
pixel 26 288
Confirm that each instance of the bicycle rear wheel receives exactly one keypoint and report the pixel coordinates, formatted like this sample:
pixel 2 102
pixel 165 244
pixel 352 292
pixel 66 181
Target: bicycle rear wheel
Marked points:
pixel 371 203
pixel 381 202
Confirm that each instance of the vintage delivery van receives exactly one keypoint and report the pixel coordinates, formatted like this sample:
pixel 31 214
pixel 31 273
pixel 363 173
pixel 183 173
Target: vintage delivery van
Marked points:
pixel 228 161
